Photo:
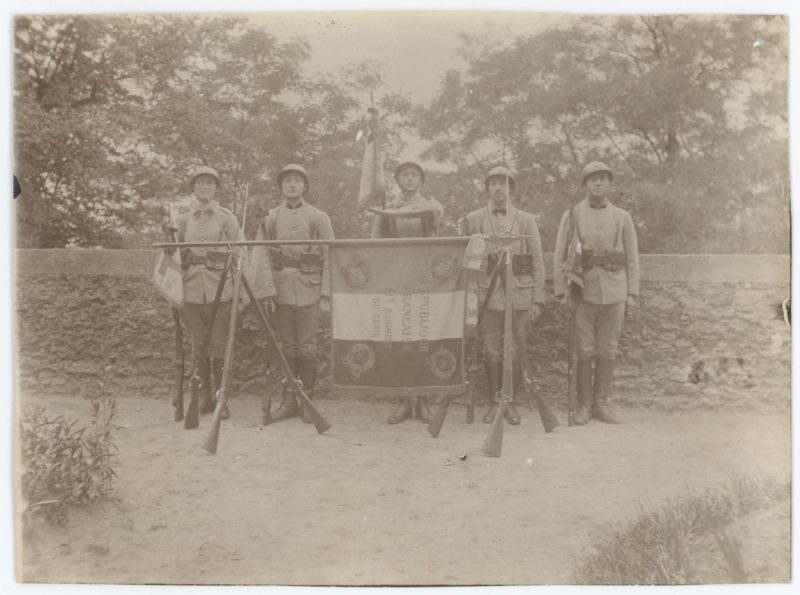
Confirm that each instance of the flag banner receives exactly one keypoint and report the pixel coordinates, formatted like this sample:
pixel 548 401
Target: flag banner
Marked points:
pixel 372 187
pixel 168 276
pixel 398 320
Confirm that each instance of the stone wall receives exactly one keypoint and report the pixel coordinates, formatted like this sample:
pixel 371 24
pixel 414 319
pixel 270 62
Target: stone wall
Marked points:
pixel 707 333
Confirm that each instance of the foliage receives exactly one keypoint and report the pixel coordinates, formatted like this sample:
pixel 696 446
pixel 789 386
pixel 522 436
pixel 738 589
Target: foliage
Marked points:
pixel 111 114
pixel 655 547
pixel 66 465
pixel 678 106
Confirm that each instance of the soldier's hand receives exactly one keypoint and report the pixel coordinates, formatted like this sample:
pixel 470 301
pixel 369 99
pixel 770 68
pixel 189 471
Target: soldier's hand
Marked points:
pixel 325 304
pixel 536 312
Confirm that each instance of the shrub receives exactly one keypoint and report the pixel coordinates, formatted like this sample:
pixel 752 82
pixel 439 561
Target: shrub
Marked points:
pixel 65 465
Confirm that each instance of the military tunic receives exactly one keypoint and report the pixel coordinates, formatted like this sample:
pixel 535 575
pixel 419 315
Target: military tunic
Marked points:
pixel 526 288
pixel 409 227
pixel 301 277
pixel 202 271
pixel 604 229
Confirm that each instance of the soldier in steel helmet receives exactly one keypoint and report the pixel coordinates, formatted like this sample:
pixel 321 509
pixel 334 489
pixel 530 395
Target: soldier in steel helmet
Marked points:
pixel 410 177
pixel 526 286
pixel 206 221
pixel 603 239
pixel 301 282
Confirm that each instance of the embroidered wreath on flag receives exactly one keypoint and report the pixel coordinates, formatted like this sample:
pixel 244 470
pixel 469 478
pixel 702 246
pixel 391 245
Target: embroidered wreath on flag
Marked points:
pixel 442 363
pixel 443 266
pixel 357 274
pixel 359 359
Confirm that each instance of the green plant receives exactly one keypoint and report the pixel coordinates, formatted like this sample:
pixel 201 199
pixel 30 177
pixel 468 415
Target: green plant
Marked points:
pixel 66 465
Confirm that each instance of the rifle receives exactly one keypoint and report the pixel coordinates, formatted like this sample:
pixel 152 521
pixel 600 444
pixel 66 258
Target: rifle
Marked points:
pixel 435 426
pixel 180 356
pixel 320 423
pixel 212 438
pixel 192 412
pixel 571 266
pixel 180 366
pixel 549 420
pixel 493 445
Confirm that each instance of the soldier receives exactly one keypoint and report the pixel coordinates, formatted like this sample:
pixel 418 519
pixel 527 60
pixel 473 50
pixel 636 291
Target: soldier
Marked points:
pixel 205 221
pixel 301 282
pixel 527 285
pixel 603 238
pixel 410 177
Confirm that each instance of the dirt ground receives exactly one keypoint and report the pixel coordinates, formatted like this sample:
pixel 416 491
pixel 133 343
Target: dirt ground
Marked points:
pixel 372 504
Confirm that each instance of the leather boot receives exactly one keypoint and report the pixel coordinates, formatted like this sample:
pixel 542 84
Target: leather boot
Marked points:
pixel 206 398
pixel 585 392
pixel 603 379
pixel 190 420
pixel 307 373
pixel 266 400
pixel 288 407
pixel 421 410
pixel 218 365
pixel 512 415
pixel 494 376
pixel 404 411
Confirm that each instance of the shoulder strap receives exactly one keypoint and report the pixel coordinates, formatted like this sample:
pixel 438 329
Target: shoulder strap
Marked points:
pixel 271 226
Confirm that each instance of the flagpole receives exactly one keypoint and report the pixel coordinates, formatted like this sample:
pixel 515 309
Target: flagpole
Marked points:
pixel 375 163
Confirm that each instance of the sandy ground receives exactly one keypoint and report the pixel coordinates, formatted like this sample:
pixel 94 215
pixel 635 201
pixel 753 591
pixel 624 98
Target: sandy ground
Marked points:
pixel 368 503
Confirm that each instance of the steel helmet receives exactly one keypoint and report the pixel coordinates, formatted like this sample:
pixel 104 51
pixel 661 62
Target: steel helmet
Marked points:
pixel 293 167
pixel 413 164
pixel 593 168
pixel 501 171
pixel 203 170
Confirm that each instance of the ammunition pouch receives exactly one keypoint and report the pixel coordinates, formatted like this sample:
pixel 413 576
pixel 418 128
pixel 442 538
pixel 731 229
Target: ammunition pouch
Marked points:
pixel 213 260
pixel 307 262
pixel 522 264
pixel 611 261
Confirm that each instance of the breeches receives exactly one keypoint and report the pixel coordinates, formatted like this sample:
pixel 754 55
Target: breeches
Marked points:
pixel 197 318
pixel 492 333
pixel 597 329
pixel 297 329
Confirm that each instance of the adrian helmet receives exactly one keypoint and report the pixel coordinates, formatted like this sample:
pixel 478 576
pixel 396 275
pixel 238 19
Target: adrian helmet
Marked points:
pixel 295 168
pixel 499 171
pixel 593 168
pixel 203 170
pixel 413 164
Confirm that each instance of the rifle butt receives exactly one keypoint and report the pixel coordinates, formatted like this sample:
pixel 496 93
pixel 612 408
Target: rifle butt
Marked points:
pixel 493 445
pixel 192 419
pixel 435 426
pixel 319 421
pixel 549 420
pixel 177 401
pixel 212 438
pixel 470 401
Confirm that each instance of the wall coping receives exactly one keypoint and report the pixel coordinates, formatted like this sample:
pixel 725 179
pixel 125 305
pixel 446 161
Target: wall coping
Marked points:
pixel 669 268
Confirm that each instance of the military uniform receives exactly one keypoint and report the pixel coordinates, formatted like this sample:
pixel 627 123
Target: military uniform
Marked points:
pixel 526 286
pixel 300 277
pixel 424 226
pixel 603 238
pixel 206 222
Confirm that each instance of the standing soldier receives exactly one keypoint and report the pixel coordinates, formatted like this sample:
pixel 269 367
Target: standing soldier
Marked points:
pixel 527 285
pixel 301 282
pixel 602 239
pixel 427 212
pixel 205 221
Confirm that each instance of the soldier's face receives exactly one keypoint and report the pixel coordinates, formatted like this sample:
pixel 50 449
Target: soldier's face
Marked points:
pixel 598 183
pixel 497 189
pixel 205 187
pixel 409 179
pixel 293 186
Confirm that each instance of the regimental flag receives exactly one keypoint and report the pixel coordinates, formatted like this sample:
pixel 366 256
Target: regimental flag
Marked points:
pixel 372 187
pixel 168 276
pixel 398 319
